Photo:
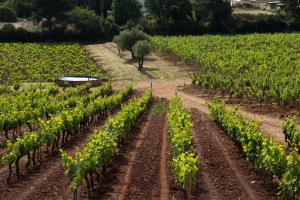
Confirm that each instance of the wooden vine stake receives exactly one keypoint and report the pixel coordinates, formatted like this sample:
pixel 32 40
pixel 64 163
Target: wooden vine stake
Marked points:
pixel 188 187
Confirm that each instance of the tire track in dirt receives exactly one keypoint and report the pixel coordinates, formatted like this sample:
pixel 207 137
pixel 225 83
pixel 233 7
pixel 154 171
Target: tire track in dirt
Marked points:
pixel 131 159
pixel 146 166
pixel 225 173
pixel 164 189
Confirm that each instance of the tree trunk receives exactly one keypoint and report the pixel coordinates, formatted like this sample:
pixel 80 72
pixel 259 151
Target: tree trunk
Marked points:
pixel 140 63
pixel 132 55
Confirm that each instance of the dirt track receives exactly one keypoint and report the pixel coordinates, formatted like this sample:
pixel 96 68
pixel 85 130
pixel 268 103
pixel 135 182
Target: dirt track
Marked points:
pixel 167 86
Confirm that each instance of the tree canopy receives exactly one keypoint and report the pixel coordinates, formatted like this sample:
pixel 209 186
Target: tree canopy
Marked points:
pixel 124 10
pixel 141 49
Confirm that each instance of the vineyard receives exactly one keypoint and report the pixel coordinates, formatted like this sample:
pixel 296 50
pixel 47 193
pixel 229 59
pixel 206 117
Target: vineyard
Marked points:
pixel 34 62
pixel 137 140
pixel 260 67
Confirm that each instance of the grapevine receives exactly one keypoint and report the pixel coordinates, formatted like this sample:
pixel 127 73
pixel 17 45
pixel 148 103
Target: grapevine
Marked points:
pixel 262 152
pixel 184 162
pixel 60 127
pixel 102 146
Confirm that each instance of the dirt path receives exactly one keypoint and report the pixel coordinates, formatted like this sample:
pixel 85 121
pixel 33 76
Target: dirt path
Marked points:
pixel 225 173
pixel 271 126
pixel 164 189
pixel 145 172
pixel 137 169
pixel 124 69
pixel 166 86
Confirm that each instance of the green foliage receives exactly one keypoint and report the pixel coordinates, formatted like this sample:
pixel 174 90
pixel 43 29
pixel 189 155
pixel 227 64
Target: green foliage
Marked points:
pixel 213 14
pixel 141 49
pixel 101 7
pixel 28 106
pixel 66 121
pixel 128 38
pixel 262 152
pixel 101 148
pixel 179 10
pixel 87 22
pixel 124 10
pixel 52 10
pixel 24 8
pixel 184 161
pixel 292 7
pixel 160 109
pixel 290 183
pixel 4 89
pixel 7 14
pixel 156 7
pixel 271 76
pixel 292 135
pixel 32 62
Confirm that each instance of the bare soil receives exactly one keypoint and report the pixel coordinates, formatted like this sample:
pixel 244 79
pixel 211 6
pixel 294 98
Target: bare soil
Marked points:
pixel 141 172
pixel 225 174
pixel 48 181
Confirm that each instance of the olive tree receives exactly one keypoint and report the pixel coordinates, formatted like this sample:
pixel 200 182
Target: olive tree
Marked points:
pixel 127 39
pixel 141 49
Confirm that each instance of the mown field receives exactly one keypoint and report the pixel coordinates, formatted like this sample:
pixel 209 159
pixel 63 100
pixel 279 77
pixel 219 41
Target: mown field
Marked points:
pixel 262 67
pixel 34 62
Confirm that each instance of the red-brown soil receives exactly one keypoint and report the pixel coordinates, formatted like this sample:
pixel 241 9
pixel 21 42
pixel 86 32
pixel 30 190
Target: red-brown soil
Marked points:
pixel 138 172
pixel 49 180
pixel 144 177
pixel 225 173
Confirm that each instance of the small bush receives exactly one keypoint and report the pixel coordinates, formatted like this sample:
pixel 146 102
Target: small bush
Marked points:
pixel 7 14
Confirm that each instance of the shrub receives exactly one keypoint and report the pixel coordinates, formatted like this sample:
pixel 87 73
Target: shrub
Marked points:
pixel 7 14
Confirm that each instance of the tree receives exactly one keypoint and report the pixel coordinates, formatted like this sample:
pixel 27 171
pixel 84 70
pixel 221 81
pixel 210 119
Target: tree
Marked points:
pixel 127 39
pixel 171 14
pixel 213 13
pixel 52 10
pixel 86 21
pixel 141 49
pixel 101 7
pixel 292 8
pixel 123 10
pixel 156 8
pixel 7 14
pixel 179 10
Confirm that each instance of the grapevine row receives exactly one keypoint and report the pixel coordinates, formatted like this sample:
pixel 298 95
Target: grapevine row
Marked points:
pixel 292 135
pixel 262 152
pixel 62 126
pixel 185 163
pixel 37 105
pixel 34 62
pixel 236 66
pixel 101 148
